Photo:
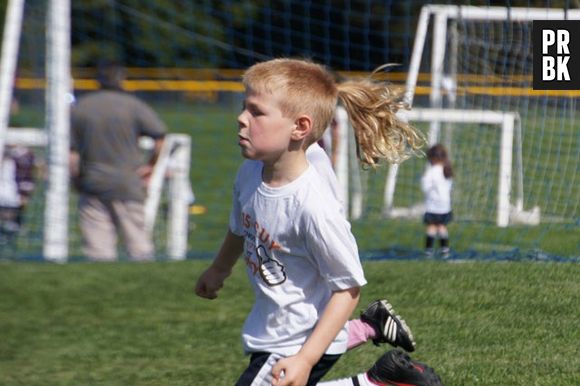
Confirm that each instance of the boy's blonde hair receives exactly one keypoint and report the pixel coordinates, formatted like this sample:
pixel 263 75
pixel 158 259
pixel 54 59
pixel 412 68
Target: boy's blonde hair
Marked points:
pixel 308 88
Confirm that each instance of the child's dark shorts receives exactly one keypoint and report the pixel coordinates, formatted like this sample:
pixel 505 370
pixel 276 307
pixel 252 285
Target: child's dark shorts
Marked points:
pixel 437 218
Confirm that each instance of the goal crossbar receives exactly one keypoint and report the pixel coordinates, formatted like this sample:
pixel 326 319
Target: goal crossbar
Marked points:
pixel 441 15
pixel 501 13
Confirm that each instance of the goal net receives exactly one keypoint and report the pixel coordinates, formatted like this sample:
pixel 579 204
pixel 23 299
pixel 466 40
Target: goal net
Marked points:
pixel 507 142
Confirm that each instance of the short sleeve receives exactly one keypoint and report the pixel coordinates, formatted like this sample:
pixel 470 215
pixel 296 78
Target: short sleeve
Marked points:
pixel 248 178
pixel 150 124
pixel 333 247
pixel 236 211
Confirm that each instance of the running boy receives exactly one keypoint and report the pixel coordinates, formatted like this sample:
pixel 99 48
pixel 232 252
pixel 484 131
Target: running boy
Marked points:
pixel 301 256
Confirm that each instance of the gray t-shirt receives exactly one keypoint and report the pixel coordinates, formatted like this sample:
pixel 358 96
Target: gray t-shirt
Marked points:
pixel 105 129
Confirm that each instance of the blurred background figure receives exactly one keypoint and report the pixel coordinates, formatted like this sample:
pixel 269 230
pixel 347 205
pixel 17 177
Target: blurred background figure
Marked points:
pixel 17 182
pixel 108 168
pixel 436 183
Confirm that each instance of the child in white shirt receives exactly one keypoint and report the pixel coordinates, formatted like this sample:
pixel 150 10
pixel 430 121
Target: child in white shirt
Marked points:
pixel 301 257
pixel 436 183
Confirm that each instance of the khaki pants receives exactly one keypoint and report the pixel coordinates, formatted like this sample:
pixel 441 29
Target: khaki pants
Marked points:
pixel 101 222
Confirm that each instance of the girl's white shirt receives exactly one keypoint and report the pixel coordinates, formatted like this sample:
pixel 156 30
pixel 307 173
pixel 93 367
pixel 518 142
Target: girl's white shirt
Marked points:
pixel 298 249
pixel 437 190
pixel 9 196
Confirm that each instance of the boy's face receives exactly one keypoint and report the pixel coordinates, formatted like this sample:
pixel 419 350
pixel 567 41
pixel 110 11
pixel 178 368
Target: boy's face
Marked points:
pixel 263 132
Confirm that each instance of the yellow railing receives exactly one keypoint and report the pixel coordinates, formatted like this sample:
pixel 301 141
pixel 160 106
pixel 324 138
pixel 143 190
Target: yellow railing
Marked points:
pixel 224 80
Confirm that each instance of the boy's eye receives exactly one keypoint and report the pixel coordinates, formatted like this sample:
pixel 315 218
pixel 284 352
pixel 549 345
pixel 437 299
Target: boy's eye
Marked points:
pixel 254 110
pixel 251 108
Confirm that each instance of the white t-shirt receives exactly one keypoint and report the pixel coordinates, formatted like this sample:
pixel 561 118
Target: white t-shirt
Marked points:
pixel 298 249
pixel 437 190
pixel 9 196
pixel 319 159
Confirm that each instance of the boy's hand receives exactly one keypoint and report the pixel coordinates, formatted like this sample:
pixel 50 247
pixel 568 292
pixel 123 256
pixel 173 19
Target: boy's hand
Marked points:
pixel 210 282
pixel 295 370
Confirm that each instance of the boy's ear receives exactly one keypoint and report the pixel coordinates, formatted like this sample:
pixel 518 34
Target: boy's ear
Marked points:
pixel 302 128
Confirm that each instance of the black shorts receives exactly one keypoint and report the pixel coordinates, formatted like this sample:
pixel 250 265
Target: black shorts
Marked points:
pixel 437 219
pixel 259 371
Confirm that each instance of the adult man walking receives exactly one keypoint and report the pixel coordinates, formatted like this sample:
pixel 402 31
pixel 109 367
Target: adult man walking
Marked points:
pixel 109 169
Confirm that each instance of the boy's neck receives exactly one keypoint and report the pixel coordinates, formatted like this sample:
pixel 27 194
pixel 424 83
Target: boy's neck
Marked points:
pixel 285 169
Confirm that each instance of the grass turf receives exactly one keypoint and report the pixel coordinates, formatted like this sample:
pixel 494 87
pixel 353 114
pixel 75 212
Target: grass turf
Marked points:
pixel 488 323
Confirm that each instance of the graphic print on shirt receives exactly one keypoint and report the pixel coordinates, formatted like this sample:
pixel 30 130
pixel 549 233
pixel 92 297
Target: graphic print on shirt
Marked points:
pixel 271 271
pixel 259 251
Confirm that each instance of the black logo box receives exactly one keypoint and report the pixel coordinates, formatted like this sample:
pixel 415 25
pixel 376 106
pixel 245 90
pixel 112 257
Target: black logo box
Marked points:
pixel 573 64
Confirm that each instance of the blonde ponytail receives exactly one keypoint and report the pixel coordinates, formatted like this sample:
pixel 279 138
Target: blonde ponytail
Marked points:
pixel 379 133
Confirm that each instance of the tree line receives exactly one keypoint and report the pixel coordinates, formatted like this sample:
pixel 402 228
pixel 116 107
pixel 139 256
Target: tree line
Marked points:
pixel 344 34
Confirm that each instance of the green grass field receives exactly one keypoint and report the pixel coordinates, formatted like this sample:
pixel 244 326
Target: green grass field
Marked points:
pixel 476 323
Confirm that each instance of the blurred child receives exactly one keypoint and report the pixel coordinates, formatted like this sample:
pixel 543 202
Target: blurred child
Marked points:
pixel 301 256
pixel 16 186
pixel 436 183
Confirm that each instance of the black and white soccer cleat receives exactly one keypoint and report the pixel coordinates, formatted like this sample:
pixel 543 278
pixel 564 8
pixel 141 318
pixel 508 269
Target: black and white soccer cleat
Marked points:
pixel 389 327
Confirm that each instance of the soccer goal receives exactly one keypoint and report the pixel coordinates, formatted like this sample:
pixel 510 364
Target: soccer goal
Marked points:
pixel 169 181
pixel 49 217
pixel 476 98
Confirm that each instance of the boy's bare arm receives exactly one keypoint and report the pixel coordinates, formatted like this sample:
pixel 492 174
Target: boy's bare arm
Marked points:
pixel 297 368
pixel 211 281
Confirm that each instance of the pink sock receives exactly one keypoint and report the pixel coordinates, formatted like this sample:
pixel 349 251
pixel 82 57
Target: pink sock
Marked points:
pixel 358 333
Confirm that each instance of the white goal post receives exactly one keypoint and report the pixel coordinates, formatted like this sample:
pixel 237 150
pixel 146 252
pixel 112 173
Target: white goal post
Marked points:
pixel 173 165
pixel 10 43
pixel 443 83
pixel 58 92
pixel 57 110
